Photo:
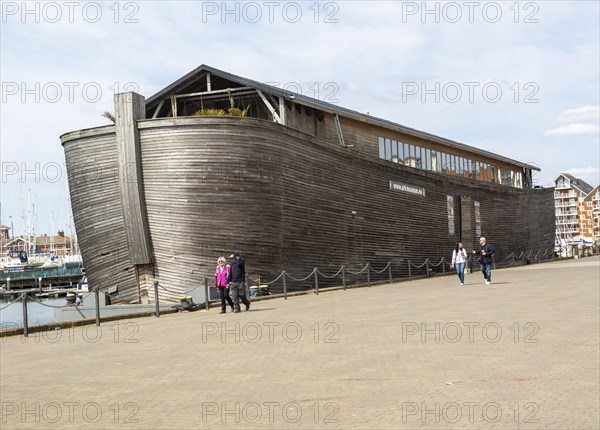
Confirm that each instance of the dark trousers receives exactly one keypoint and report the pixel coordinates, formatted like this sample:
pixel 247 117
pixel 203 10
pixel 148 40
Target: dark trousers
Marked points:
pixel 224 296
pixel 238 292
pixel 486 269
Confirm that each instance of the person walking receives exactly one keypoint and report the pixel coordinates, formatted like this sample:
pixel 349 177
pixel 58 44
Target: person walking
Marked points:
pixel 459 259
pixel 237 278
pixel 486 251
pixel 221 283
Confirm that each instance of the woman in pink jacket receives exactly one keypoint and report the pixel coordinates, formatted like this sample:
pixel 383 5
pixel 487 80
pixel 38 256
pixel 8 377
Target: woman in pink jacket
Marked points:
pixel 221 273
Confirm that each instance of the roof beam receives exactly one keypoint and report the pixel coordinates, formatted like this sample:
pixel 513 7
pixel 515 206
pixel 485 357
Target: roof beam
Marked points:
pixel 338 126
pixel 160 105
pixel 181 96
pixel 282 109
pixel 276 117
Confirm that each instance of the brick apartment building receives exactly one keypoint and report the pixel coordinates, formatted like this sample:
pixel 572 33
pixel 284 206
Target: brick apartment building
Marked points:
pixel 577 206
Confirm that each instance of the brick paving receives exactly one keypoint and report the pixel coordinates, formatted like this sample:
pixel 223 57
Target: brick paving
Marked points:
pixel 427 354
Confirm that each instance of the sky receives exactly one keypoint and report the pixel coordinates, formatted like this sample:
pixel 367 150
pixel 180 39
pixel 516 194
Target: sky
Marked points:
pixel 520 79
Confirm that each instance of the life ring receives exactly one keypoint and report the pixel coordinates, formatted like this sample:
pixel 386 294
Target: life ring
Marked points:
pixel 9 259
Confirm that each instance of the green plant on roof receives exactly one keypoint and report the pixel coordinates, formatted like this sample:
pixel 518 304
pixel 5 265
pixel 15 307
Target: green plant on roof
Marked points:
pixel 230 111
pixel 109 116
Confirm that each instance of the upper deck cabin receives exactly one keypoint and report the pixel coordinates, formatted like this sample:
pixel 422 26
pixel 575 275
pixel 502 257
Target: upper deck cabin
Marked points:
pixel 208 91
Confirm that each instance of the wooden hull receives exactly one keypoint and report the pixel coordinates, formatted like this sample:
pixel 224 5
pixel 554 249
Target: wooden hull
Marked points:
pixel 286 199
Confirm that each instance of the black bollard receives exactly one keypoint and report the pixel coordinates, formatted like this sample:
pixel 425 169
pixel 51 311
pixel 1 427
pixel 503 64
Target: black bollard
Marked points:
pixel 25 319
pixel 316 282
pixel 206 299
pixel 284 287
pixel 97 296
pixel 368 275
pixel 344 277
pixel 390 270
pixel 156 304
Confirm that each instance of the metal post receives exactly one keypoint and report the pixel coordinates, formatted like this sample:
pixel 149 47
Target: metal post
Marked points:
pixel 206 299
pixel 368 276
pixel 513 258
pixel 316 282
pixel 40 284
pixel 471 265
pixel 493 261
pixel 156 304
pixel 344 277
pixel 284 287
pixel 443 264
pixel 390 271
pixel 7 284
pixel 427 267
pixel 25 319
pixel 409 274
pixel 97 295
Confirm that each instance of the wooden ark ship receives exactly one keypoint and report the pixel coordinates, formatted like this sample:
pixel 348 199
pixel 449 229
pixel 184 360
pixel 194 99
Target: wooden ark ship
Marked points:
pixel 216 162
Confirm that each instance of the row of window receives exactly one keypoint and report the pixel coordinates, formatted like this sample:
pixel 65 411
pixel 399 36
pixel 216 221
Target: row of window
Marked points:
pixel 441 162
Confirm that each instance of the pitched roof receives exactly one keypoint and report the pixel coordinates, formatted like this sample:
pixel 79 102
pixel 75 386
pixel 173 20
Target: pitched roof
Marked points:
pixel 590 195
pixel 581 185
pixel 186 84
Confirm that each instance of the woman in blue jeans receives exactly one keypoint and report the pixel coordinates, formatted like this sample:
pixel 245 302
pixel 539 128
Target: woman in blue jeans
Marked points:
pixel 459 259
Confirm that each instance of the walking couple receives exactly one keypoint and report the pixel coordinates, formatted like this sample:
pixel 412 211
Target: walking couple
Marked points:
pixel 459 259
pixel 231 278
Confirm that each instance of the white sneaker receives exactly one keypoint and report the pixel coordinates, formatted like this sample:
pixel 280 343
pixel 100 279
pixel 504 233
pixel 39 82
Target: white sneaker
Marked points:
pixel 487 282
pixel 462 283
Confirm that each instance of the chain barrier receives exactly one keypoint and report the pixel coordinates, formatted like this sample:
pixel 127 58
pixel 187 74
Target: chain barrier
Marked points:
pixel 358 273
pixel 382 270
pixel 15 300
pixel 48 306
pixel 303 279
pixel 274 280
pixel 418 267
pixel 441 261
pixel 169 291
pixel 330 276
pixel 512 254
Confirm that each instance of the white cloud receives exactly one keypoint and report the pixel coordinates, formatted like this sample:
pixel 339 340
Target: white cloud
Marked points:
pixel 369 53
pixel 584 171
pixel 580 114
pixel 574 129
pixel 589 174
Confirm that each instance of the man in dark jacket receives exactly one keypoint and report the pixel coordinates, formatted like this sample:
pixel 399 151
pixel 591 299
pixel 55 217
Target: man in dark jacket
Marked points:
pixel 237 280
pixel 486 251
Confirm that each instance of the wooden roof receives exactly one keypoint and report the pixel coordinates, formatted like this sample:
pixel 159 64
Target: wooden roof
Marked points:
pixel 195 81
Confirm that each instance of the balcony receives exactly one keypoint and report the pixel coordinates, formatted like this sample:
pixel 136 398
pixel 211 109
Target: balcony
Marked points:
pixel 566 222
pixel 570 231
pixel 561 204
pixel 569 195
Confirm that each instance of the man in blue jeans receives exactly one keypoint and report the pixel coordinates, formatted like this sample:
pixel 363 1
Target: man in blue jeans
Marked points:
pixel 486 251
